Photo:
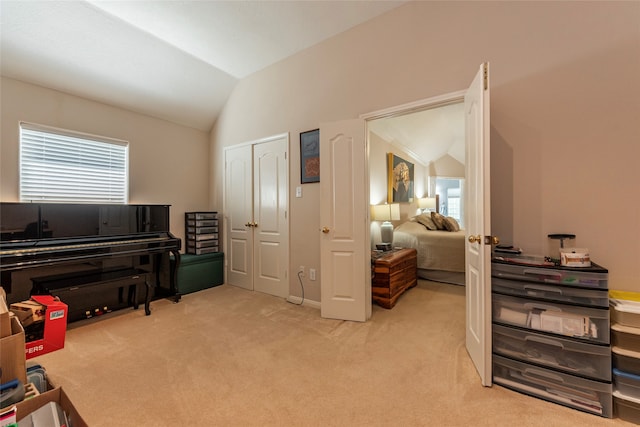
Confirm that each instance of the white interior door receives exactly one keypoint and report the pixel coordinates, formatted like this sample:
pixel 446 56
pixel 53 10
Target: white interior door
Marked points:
pixel 238 210
pixel 271 225
pixel 478 225
pixel 344 222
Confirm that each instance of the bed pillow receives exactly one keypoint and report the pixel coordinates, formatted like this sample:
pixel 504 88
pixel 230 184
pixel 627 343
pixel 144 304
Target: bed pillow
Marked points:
pixel 425 219
pixel 438 220
pixel 451 224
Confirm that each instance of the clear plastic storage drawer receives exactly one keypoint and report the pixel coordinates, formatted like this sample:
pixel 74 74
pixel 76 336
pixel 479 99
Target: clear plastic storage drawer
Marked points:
pixel 625 313
pixel 625 360
pixel 626 337
pixel 580 358
pixel 590 324
pixel 579 393
pixel 550 292
pixel 592 277
pixel 626 408
pixel 626 383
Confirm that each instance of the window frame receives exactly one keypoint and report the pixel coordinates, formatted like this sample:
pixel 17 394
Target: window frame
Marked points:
pixel 90 168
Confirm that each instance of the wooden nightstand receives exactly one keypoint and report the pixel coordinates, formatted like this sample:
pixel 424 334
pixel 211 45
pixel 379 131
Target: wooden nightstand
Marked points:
pixel 393 273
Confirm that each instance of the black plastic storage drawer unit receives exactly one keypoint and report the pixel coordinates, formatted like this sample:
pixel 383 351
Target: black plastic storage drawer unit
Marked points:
pixel 551 332
pixel 202 230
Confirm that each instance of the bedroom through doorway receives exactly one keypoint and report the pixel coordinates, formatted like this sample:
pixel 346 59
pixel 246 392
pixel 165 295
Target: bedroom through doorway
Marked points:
pixel 431 140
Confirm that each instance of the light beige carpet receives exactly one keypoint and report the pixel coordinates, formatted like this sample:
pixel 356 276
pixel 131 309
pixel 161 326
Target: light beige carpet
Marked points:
pixel 229 357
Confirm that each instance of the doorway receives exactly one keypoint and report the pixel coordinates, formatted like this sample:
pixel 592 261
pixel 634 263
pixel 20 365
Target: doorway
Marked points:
pixel 351 136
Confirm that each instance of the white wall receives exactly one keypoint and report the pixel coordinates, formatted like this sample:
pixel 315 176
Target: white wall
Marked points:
pixel 564 110
pixel 168 162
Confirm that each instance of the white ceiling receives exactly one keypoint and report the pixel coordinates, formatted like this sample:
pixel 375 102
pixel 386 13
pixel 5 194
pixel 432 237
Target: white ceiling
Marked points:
pixel 427 135
pixel 180 60
pixel 176 60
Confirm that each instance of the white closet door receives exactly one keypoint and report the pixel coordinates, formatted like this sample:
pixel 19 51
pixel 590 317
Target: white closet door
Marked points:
pixel 238 216
pixel 271 228
pixel 256 215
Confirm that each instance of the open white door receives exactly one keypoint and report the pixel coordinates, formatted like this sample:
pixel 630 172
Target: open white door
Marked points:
pixel 478 225
pixel 344 222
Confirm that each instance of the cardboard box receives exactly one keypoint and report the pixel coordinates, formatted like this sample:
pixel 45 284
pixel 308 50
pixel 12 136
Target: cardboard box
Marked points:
pixel 55 327
pixel 5 323
pixel 12 355
pixel 55 395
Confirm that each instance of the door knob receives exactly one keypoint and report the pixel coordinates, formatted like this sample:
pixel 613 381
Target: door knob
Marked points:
pixel 495 240
pixel 254 224
pixel 248 224
pixel 325 230
pixel 475 239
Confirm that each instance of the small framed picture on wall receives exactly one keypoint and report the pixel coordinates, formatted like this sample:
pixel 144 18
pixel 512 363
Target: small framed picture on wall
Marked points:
pixel 310 156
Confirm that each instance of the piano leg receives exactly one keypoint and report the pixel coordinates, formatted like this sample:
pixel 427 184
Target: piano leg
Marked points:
pixel 147 296
pixel 174 275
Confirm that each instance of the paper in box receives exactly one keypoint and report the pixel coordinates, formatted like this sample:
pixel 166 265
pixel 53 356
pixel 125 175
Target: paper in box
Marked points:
pixel 57 395
pixel 55 327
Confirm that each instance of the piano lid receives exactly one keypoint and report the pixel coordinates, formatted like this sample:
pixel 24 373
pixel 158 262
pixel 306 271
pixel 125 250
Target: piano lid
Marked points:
pixel 37 221
pixel 46 234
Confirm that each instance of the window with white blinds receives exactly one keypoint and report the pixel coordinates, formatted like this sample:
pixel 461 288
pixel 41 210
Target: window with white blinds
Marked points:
pixel 63 166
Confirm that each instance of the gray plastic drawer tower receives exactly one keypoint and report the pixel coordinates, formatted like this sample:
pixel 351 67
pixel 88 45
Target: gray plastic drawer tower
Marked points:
pixel 551 333
pixel 202 231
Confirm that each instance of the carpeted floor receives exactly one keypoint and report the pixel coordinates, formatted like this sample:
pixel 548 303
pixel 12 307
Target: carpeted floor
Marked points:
pixel 229 357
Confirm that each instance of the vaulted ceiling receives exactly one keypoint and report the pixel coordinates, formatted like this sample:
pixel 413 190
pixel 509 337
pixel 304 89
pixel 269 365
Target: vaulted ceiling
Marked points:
pixel 175 60
pixel 428 135
pixel 180 60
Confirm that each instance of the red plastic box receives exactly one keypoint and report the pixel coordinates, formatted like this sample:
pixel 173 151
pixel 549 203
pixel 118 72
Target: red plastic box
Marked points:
pixel 55 327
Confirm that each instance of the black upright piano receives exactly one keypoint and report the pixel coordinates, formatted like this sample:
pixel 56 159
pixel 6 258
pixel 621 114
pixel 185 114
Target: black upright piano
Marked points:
pixel 95 257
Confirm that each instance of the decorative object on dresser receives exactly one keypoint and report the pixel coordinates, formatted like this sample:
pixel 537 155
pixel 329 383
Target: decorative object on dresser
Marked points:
pixel 551 332
pixel 393 272
pixel 202 230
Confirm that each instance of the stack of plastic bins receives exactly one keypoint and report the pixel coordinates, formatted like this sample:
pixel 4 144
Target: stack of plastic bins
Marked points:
pixel 625 333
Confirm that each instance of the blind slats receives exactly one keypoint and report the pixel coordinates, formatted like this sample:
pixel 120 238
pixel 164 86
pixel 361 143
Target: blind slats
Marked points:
pixel 61 166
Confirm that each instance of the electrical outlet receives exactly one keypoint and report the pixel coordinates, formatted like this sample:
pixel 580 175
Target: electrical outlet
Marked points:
pixel 312 273
pixel 301 271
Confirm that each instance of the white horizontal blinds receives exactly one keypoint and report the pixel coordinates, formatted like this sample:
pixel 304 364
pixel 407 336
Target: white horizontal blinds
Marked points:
pixel 63 166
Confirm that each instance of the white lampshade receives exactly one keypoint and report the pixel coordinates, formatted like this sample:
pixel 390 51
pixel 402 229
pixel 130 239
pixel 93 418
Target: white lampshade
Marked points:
pixel 395 211
pixel 381 212
pixel 386 213
pixel 427 203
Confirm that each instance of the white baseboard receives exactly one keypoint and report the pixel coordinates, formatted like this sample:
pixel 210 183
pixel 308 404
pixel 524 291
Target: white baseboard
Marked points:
pixel 307 303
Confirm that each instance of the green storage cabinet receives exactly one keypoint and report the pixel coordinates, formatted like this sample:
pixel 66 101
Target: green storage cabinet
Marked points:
pixel 197 272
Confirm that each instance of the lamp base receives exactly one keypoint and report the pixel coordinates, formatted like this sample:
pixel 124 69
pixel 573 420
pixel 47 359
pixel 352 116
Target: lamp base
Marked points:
pixel 386 232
